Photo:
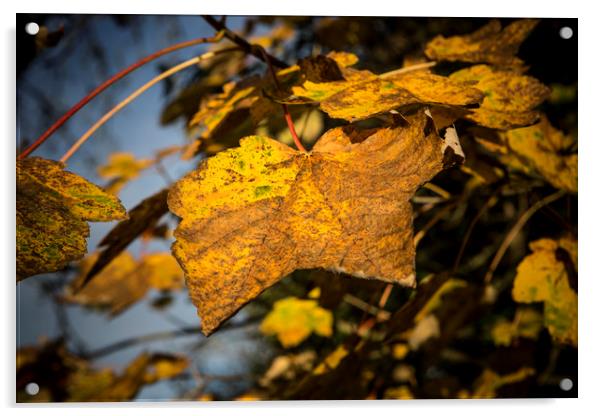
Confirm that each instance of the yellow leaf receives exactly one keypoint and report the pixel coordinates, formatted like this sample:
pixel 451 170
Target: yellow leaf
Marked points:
pixel 490 44
pixel 123 165
pixel 542 277
pixel 509 96
pixel 53 206
pixel 116 287
pixel 253 214
pixel 293 320
pixel 546 150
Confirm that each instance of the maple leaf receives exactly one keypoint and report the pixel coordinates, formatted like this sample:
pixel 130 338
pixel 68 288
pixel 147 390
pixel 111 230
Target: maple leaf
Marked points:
pixel 490 44
pixel 543 277
pixel 293 320
pixel 53 206
pixel 509 96
pixel 253 214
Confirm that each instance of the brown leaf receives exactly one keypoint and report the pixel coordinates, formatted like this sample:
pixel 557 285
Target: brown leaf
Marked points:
pixel 490 44
pixel 253 214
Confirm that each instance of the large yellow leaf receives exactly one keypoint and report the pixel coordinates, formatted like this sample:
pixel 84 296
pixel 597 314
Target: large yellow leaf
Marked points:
pixel 543 277
pixel 509 96
pixel 253 214
pixel 490 44
pixel 53 206
pixel 292 320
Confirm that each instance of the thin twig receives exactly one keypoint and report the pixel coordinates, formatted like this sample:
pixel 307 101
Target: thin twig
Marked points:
pixel 381 315
pixel 516 229
pixel 417 67
pixel 135 95
pixel 241 42
pixel 71 112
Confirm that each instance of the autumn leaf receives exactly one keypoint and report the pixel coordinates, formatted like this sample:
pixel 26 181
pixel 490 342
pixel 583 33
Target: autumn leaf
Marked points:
pixel 490 44
pixel 363 94
pixel 253 214
pixel 543 276
pixel 121 168
pixel 543 149
pixel 53 206
pixel 510 97
pixel 142 217
pixel 292 320
pixel 124 281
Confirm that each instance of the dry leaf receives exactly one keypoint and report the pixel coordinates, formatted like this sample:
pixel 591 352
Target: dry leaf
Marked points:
pixel 292 320
pixel 53 206
pixel 490 44
pixel 253 214
pixel 543 277
pixel 509 96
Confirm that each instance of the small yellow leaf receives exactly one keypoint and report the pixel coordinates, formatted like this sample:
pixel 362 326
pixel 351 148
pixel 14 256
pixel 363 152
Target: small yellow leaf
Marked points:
pixel 509 96
pixel 123 165
pixel 399 393
pixel 293 320
pixel 490 44
pixel 527 324
pixel 541 277
pixel 53 206
pixel 545 150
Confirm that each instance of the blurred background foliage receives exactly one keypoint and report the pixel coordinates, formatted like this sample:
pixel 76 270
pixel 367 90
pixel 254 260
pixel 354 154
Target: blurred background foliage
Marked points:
pixel 461 334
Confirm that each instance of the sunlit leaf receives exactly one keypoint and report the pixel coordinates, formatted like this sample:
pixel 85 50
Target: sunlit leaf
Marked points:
pixel 510 97
pixel 343 207
pixel 53 206
pixel 527 324
pixel 292 320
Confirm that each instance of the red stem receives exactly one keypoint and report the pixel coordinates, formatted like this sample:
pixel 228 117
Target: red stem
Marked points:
pixel 291 127
pixel 108 83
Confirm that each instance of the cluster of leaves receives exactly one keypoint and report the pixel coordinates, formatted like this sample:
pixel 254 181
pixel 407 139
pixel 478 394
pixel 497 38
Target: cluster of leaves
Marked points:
pixel 257 211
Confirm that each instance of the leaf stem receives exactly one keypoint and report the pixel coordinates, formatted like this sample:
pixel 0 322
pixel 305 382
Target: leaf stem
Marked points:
pixel 516 229
pixel 71 112
pixel 135 95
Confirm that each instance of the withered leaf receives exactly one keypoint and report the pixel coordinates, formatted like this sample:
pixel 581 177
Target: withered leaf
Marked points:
pixel 510 97
pixel 490 44
pixel 143 216
pixel 53 206
pixel 253 214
